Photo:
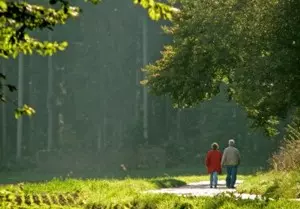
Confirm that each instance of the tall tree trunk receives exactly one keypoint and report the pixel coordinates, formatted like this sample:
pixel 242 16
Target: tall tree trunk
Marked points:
pixel 234 112
pixel 178 124
pixel 137 82
pixel 145 93
pixel 137 94
pixel 99 138
pixel 104 131
pixel 49 100
pixel 4 117
pixel 60 128
pixel 120 134
pixel 167 109
pixel 61 94
pixel 20 103
pixel 31 101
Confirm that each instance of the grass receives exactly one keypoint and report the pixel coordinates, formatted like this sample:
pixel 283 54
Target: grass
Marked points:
pixel 40 176
pixel 273 184
pixel 121 194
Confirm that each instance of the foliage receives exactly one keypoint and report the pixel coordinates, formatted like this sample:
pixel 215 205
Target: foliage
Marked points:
pixel 283 180
pixel 252 46
pixel 25 110
pixel 19 19
pixel 157 10
pixel 288 156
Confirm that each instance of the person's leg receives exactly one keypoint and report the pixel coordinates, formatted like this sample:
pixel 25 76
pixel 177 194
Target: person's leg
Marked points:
pixel 233 176
pixel 211 179
pixel 215 179
pixel 228 177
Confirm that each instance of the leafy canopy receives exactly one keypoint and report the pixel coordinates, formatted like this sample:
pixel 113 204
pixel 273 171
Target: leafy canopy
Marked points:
pixel 251 46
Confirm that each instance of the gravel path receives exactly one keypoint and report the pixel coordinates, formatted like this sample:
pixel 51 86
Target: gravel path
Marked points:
pixel 202 189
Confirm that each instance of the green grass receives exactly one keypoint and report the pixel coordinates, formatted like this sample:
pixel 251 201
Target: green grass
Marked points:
pixel 177 202
pixel 127 193
pixel 273 184
pixel 39 176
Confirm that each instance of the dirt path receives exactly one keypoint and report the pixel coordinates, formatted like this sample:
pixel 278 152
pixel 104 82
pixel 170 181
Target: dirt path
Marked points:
pixel 202 189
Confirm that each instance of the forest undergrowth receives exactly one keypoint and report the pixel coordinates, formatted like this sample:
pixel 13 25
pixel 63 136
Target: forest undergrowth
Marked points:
pixel 283 178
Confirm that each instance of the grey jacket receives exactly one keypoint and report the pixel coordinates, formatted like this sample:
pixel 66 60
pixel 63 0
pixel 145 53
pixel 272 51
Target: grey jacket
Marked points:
pixel 231 156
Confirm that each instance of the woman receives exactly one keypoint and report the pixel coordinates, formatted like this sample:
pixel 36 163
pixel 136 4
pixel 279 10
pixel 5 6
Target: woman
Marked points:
pixel 213 164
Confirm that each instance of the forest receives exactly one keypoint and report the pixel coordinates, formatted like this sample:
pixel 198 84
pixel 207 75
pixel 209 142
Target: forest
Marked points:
pixel 90 104
pixel 142 88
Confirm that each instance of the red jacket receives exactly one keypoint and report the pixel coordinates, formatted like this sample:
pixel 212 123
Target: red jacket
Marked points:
pixel 213 161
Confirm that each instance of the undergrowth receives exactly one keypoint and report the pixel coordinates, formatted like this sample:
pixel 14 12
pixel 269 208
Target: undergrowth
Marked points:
pixel 273 184
pixel 283 181
pixel 287 158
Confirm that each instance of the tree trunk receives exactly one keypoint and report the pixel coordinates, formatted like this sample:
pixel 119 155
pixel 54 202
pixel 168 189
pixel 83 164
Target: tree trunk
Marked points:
pixel 49 100
pixel 4 118
pixel 104 131
pixel 20 103
pixel 120 136
pixel 145 93
pixel 99 139
pixel 31 101
pixel 167 110
pixel 60 129
pixel 137 94
pixel 137 82
pixel 31 124
pixel 178 125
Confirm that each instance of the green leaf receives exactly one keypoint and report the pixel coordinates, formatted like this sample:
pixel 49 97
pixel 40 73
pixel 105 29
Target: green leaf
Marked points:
pixel 3 6
pixel 25 110
pixel 18 114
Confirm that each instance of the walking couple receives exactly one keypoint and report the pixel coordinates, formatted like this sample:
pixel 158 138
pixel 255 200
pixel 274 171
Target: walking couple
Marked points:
pixel 215 161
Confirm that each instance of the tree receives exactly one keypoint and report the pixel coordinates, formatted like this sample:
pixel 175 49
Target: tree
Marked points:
pixel 19 19
pixel 252 46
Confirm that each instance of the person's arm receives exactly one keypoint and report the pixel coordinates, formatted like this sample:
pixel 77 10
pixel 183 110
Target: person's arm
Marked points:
pixel 220 162
pixel 224 157
pixel 207 159
pixel 239 157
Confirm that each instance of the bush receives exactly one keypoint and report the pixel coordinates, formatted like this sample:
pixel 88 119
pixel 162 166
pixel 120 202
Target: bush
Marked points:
pixel 288 156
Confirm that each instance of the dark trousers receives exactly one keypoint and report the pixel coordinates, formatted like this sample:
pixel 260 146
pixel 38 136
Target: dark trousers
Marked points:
pixel 231 176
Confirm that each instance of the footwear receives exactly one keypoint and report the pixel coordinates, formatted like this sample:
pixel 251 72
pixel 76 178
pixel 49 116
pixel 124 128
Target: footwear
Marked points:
pixel 215 186
pixel 210 186
pixel 232 187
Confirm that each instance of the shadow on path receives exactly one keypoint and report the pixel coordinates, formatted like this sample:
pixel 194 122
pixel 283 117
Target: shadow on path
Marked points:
pixel 198 189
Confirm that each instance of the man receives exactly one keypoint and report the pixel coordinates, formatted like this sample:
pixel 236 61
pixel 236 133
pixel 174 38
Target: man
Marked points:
pixel 231 160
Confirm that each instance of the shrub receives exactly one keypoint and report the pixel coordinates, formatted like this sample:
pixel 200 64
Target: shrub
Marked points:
pixel 288 155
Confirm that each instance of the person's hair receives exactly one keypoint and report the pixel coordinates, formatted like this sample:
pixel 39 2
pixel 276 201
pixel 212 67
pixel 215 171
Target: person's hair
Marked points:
pixel 231 142
pixel 215 146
